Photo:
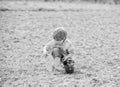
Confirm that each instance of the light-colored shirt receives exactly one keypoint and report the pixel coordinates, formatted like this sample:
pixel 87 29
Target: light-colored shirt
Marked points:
pixel 66 45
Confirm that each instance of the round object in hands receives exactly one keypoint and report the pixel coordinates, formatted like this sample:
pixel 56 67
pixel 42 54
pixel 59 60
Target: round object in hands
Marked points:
pixel 69 66
pixel 69 69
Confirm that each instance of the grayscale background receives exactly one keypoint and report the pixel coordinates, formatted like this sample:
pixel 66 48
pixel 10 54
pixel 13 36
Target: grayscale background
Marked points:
pixel 92 25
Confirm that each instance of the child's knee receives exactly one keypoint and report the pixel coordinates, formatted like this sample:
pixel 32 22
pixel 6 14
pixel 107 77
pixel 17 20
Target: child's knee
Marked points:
pixel 55 52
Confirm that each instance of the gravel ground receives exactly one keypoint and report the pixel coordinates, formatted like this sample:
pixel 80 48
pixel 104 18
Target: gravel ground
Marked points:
pixel 93 29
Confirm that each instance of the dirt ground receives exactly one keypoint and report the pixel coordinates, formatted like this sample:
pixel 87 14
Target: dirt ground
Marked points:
pixel 26 28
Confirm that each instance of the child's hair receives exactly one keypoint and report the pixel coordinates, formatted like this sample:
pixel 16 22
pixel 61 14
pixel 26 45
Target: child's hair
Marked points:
pixel 59 34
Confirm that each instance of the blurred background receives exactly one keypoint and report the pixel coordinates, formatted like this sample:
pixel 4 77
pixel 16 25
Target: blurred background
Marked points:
pixel 77 1
pixel 27 25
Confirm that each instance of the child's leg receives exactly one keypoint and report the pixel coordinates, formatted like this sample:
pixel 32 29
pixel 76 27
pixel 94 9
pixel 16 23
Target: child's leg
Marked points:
pixel 49 64
pixel 56 52
pixel 57 59
pixel 57 64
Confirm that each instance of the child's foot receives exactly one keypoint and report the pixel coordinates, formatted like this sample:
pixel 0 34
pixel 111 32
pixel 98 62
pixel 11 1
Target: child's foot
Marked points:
pixel 58 71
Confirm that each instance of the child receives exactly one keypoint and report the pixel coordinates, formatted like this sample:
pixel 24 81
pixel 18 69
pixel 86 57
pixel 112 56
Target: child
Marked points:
pixel 61 50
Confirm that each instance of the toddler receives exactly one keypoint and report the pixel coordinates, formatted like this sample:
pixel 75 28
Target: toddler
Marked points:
pixel 61 50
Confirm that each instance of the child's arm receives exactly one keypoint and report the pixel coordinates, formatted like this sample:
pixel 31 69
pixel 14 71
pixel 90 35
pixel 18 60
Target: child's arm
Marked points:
pixel 47 49
pixel 45 53
pixel 70 49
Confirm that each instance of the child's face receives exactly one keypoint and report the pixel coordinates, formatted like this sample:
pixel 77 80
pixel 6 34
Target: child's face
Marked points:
pixel 59 42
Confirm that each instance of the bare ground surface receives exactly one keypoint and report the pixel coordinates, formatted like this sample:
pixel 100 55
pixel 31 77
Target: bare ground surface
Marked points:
pixel 94 31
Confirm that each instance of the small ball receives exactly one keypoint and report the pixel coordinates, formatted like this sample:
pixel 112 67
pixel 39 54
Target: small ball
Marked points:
pixel 69 70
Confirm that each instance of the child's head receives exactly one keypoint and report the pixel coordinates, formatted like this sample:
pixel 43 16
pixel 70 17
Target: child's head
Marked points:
pixel 59 34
